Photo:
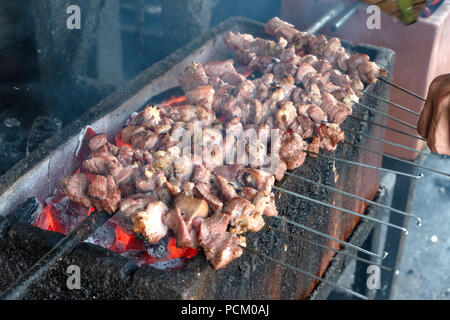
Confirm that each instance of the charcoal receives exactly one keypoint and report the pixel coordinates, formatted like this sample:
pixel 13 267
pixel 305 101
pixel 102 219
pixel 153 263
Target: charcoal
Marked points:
pixel 23 214
pixel 10 154
pixel 139 257
pixel 105 235
pixel 168 264
pixel 43 127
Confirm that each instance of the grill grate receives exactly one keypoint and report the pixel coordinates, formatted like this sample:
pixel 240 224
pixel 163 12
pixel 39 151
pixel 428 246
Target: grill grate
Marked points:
pixel 348 245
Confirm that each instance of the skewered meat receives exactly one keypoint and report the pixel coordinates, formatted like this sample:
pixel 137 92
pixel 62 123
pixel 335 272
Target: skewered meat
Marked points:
pixel 203 191
pixel 330 136
pixel 244 216
pixel 104 194
pixel 220 246
pixel 223 187
pixel 227 190
pixel 193 77
pixel 149 222
pixel 97 141
pixel 190 207
pixel 291 151
pixel 184 235
pixel 76 187
pixel 103 164
pixel 202 96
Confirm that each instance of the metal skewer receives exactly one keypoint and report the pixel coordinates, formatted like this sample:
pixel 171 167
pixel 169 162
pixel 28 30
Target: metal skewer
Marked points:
pixel 295 194
pixel 393 143
pixel 325 235
pixel 330 15
pixel 341 21
pixel 356 103
pixel 419 221
pixel 20 287
pixel 365 165
pixel 402 89
pixel 387 128
pixel 335 285
pixel 393 103
pixel 328 248
pixel 398 159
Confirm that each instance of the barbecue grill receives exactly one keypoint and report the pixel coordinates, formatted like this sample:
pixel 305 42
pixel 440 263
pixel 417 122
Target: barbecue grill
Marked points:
pixel 318 231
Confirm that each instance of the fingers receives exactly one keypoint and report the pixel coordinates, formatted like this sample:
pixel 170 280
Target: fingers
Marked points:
pixel 439 130
pixel 426 116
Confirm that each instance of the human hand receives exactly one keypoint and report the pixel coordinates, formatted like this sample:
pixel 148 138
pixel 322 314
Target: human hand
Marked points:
pixel 434 122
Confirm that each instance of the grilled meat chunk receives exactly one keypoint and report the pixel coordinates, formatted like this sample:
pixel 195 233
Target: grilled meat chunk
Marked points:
pixel 291 151
pixel 97 141
pixel 244 216
pixel 104 194
pixel 202 96
pixel 149 222
pixel 203 191
pixel 227 190
pixel 75 188
pixel 193 77
pixel 220 246
pixel 190 207
pixel 330 136
pixel 185 236
pixel 103 164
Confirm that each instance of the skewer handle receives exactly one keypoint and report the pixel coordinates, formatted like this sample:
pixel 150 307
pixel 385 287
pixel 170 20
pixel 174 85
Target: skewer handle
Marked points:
pixel 63 248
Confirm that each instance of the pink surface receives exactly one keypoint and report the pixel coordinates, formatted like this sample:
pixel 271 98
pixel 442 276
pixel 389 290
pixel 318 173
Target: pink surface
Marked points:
pixel 422 53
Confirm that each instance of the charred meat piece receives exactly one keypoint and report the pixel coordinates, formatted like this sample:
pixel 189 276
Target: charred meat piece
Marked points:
pixel 190 207
pixel 203 191
pixel 104 165
pixel 218 68
pixel 303 126
pixel 146 179
pixel 193 77
pixel 201 174
pixel 75 188
pixel 125 156
pixel 336 111
pixel 315 113
pixel 185 236
pixel 104 194
pixel 97 141
pixel 202 95
pixel 227 190
pixel 291 150
pixel 150 117
pixel 129 206
pixel 237 41
pixel 330 136
pixel 128 132
pixel 149 222
pixel 229 172
pixel 244 216
pixel 220 246
pixel 303 70
pixel 258 179
pixel 144 140
pixel 285 115
pixel 275 24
